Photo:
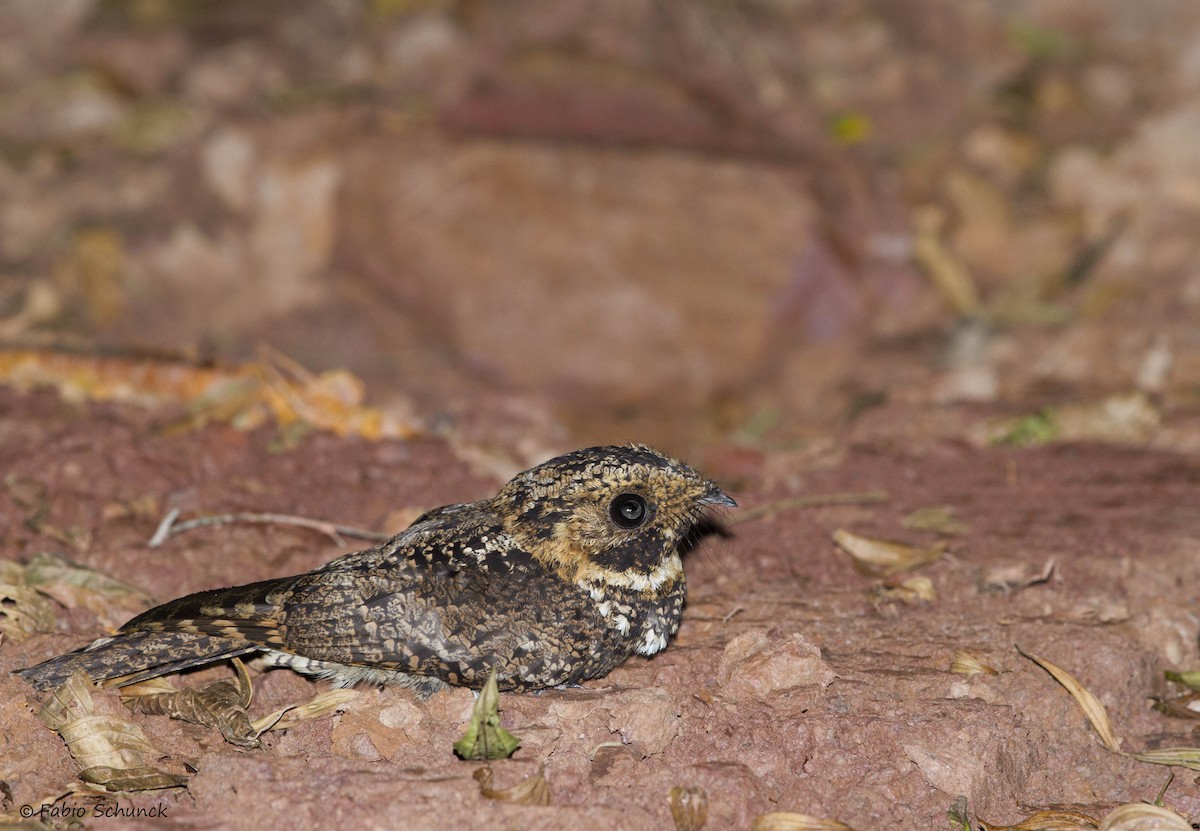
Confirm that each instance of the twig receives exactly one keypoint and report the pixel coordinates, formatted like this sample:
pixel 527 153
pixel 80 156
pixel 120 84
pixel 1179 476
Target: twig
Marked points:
pixel 817 500
pixel 164 528
pixel 168 527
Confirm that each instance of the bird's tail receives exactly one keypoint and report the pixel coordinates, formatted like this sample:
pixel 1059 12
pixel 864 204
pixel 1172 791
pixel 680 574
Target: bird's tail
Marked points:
pixel 127 658
pixel 194 630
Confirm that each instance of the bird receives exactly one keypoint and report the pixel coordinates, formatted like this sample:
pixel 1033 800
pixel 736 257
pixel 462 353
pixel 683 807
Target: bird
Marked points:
pixel 570 569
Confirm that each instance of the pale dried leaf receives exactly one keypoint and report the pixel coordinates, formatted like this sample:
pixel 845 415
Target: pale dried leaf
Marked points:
pixel 23 612
pixel 1129 417
pixel 1046 821
pixel 689 808
pixel 111 751
pixel 151 686
pixel 244 686
pixel 320 704
pixel 532 790
pixel 47 568
pixel 107 741
pixel 142 778
pixel 784 821
pixel 72 700
pixel 909 592
pixel 1091 706
pixel 246 395
pixel 946 271
pixel 878 558
pixel 1181 757
pixel 85 789
pixel 1011 577
pixel 42 304
pixel 12 572
pixel 964 663
pixel 76 586
pixel 1139 816
pixel 938 519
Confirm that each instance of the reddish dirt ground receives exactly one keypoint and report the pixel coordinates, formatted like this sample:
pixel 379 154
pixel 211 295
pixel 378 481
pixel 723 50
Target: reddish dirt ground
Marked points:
pixel 791 686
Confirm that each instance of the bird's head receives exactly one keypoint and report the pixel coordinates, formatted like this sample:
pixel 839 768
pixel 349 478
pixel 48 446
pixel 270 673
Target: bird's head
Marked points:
pixel 613 515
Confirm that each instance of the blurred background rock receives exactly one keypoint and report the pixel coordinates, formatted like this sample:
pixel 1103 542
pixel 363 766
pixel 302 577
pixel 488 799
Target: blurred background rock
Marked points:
pixel 697 223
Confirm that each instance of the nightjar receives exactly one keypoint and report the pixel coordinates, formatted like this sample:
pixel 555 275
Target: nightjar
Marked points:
pixel 569 570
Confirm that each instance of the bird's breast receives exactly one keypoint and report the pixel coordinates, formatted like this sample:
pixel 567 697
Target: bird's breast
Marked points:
pixel 644 621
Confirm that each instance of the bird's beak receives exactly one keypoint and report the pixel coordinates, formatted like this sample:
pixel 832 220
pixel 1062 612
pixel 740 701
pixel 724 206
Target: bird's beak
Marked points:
pixel 716 496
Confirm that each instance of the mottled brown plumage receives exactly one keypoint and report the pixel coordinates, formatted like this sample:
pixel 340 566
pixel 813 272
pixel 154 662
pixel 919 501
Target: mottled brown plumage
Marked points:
pixel 569 570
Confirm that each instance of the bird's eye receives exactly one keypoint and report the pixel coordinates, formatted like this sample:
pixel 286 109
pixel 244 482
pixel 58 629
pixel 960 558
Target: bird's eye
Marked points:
pixel 628 510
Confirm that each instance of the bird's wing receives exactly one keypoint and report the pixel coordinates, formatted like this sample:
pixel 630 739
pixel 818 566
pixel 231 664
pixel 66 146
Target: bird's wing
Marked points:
pixel 244 613
pixel 443 605
pixel 254 612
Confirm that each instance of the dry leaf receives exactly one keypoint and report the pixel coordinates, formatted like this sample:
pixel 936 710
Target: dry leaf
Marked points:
pixel 964 663
pixel 1183 706
pixel 946 271
pixel 23 612
pixel 145 506
pixel 41 304
pixel 45 570
pixel 909 592
pixel 784 821
pixel 322 703
pixel 1180 757
pixel 1139 816
pixel 1013 577
pixel 75 586
pixel 151 686
pixel 12 572
pixel 532 790
pixel 139 778
pixel 689 808
pixel 938 519
pixel 24 588
pixel 1092 708
pixel 1119 418
pixel 1185 757
pixel 221 705
pixel 111 751
pixel 877 558
pixel 246 395
pixel 1046 821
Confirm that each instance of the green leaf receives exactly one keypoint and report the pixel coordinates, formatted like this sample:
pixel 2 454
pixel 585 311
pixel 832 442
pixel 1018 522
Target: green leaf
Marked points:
pixel 1038 428
pixel 959 815
pixel 1191 679
pixel 485 738
pixel 850 128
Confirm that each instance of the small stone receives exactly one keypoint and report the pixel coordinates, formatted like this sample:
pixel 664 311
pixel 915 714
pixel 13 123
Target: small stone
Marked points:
pixel 756 664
